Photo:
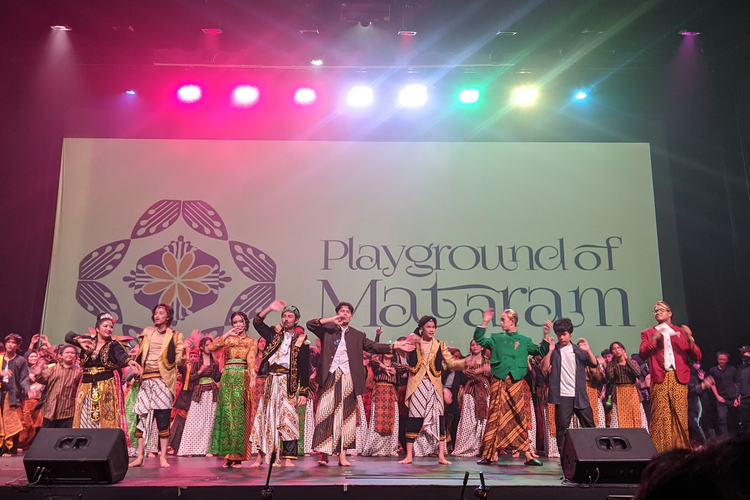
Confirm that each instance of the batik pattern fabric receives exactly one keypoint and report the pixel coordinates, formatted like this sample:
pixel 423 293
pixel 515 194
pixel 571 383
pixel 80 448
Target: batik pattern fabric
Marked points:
pixel 232 428
pixel 470 428
pixel 277 419
pixel 507 426
pixel 309 426
pixel 382 433
pixel 361 433
pixel 669 425
pixel 152 395
pixel 111 407
pixel 196 437
pixel 596 402
pixel 11 423
pixel 627 410
pixel 336 419
pixel 426 403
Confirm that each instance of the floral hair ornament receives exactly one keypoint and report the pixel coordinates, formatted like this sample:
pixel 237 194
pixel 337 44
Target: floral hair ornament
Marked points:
pixel 511 314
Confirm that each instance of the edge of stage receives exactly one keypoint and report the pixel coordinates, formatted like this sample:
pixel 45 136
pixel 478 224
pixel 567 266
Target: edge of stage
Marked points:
pixel 367 478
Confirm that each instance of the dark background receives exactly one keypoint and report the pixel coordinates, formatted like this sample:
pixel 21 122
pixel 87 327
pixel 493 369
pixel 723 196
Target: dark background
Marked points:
pixel 689 98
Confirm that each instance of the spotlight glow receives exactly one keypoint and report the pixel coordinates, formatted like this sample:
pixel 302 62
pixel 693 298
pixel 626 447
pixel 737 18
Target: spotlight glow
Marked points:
pixel 130 92
pixel 305 96
pixel 61 27
pixel 189 93
pixel 413 96
pixel 244 96
pixel 581 95
pixel 524 95
pixel 468 96
pixel 359 97
pixel 317 62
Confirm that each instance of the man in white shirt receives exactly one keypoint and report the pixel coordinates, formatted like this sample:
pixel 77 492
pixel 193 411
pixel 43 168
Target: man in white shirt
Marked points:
pixel 287 354
pixel 567 363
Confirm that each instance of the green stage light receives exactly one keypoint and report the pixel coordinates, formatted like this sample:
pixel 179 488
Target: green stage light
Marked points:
pixel 468 96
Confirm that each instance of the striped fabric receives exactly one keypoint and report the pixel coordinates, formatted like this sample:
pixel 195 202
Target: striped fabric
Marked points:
pixel 507 426
pixel 276 419
pixel 153 395
pixel 336 419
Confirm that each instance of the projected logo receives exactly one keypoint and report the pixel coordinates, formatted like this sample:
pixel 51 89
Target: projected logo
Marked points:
pixel 180 273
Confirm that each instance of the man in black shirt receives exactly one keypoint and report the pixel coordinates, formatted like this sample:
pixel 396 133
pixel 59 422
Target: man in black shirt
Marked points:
pixel 725 390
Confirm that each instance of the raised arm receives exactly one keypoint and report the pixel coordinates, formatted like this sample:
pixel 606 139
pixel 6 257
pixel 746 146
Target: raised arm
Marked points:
pixel 457 365
pixel 265 331
pixel 479 331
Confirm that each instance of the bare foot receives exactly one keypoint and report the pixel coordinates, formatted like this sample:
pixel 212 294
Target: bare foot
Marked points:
pixel 151 455
pixel 323 459
pixel 516 454
pixel 443 461
pixel 344 462
pixel 257 463
pixel 138 462
pixel 209 455
pixel 237 464
pixel 287 463
pixel 164 464
pixel 405 461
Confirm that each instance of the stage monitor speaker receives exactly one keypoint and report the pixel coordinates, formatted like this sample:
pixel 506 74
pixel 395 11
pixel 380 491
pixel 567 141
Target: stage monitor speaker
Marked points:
pixel 77 456
pixel 606 455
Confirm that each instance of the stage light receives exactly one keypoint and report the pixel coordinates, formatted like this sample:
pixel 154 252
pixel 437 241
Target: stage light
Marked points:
pixel 689 33
pixel 359 97
pixel 130 92
pixel 212 31
pixel 413 96
pixel 407 33
pixel 305 96
pixel 524 95
pixel 317 62
pixel 245 95
pixel 581 95
pixel 189 93
pixel 61 27
pixel 468 96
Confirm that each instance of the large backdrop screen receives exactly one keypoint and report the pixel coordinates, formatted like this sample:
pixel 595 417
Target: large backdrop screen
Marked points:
pixel 399 229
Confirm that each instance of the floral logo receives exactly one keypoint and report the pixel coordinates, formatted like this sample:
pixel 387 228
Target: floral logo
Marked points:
pixel 178 274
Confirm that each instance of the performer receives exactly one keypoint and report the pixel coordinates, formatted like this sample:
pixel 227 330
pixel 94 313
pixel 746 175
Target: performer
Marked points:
pixel 382 432
pixel 14 389
pixel 623 372
pixel 743 387
pixel 160 353
pixel 61 380
pixel 341 378
pixel 204 391
pixel 567 364
pixel 476 403
pixel 99 401
pixel 187 377
pixel 725 391
pixel 287 354
pixel 594 382
pixel 507 426
pixel 669 350
pixel 424 391
pixel 232 426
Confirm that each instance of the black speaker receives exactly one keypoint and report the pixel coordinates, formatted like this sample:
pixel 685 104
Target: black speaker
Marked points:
pixel 606 455
pixel 77 456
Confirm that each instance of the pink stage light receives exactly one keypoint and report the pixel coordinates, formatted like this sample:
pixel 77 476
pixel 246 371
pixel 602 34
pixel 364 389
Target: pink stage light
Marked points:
pixel 245 95
pixel 305 96
pixel 189 93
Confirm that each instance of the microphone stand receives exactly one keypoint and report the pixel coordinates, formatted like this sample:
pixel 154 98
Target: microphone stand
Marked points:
pixel 466 480
pixel 267 492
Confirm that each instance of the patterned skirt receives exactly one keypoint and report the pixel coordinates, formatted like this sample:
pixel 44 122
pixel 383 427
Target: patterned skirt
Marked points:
pixel 111 413
pixel 426 403
pixel 309 425
pixel 627 410
pixel 196 437
pixel 382 432
pixel 232 427
pixel 596 402
pixel 276 419
pixel 152 395
pixel 11 422
pixel 507 426
pixel 336 419
pixel 470 429
pixel 669 419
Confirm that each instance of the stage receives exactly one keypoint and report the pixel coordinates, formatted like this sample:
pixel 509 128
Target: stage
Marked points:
pixel 366 478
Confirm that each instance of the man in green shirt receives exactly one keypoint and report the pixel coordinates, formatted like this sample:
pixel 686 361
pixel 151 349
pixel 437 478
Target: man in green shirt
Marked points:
pixel 508 418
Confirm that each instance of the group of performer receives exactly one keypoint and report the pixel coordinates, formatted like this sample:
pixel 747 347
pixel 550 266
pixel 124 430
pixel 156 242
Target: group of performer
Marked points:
pixel 236 396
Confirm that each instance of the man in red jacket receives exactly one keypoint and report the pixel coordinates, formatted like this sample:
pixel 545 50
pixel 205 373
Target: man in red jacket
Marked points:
pixel 670 350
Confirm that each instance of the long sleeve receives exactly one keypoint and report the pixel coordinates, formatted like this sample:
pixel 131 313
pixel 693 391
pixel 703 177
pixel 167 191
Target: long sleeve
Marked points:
pixel 217 344
pixel 119 355
pixel 263 329
pixel 303 366
pixel 22 372
pixel 451 362
pixel 179 348
pixel 315 326
pixel 480 339
pixel 376 347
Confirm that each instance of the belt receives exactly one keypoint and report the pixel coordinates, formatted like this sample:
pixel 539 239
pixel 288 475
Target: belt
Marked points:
pixel 96 374
pixel 149 375
pixel 278 370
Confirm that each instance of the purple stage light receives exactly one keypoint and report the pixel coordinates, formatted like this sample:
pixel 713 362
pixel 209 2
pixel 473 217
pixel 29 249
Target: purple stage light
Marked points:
pixel 189 93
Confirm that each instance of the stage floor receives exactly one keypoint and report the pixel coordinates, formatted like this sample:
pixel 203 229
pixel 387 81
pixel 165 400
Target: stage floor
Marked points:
pixel 367 477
